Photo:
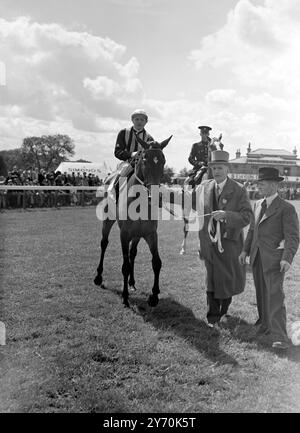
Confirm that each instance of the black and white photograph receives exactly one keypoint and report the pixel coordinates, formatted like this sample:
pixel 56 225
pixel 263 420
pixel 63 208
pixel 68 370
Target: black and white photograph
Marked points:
pixel 149 210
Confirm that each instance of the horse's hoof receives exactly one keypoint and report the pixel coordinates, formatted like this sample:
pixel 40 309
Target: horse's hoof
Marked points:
pixel 132 289
pixel 182 252
pixel 98 280
pixel 153 301
pixel 125 303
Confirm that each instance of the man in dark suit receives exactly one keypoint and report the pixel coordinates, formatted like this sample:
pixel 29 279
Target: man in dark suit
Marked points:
pixel 272 242
pixel 200 155
pixel 221 236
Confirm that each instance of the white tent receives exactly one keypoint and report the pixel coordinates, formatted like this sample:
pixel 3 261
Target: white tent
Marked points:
pixel 99 170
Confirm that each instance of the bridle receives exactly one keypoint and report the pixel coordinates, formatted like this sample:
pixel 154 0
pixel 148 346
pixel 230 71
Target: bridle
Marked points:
pixel 142 182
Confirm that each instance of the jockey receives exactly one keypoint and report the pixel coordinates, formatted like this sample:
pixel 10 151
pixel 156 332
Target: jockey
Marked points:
pixel 199 155
pixel 127 147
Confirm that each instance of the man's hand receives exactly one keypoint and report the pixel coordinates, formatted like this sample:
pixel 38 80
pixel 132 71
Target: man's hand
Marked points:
pixel 242 258
pixel 284 266
pixel 219 215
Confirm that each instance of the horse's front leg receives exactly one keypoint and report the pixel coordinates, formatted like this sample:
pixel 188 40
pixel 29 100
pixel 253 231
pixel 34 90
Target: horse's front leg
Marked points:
pixel 106 228
pixel 156 266
pixel 132 255
pixel 126 265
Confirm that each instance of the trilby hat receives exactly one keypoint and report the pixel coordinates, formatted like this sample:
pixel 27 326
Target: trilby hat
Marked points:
pixel 269 173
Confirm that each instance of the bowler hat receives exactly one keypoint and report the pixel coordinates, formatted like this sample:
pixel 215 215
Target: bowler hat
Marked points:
pixel 269 173
pixel 219 157
pixel 205 129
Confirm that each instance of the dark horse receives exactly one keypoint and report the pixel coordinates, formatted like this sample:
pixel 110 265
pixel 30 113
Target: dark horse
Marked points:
pixel 148 171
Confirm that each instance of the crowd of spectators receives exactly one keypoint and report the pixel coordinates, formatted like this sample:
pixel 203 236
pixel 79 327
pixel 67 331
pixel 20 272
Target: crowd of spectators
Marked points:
pixel 50 178
pixel 47 198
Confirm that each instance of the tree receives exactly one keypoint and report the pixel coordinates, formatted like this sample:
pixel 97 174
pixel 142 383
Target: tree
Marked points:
pixel 48 151
pixel 184 172
pixel 11 158
pixel 3 168
pixel 168 174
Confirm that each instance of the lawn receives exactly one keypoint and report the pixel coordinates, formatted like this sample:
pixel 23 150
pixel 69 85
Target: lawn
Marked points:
pixel 73 347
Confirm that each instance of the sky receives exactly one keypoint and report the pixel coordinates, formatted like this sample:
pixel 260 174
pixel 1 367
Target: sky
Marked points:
pixel 81 67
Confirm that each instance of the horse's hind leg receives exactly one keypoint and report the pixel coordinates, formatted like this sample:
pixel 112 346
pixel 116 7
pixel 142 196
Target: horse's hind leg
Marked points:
pixel 106 228
pixel 156 266
pixel 126 266
pixel 185 233
pixel 132 255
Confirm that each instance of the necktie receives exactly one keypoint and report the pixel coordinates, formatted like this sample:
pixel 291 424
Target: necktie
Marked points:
pixel 218 192
pixel 262 210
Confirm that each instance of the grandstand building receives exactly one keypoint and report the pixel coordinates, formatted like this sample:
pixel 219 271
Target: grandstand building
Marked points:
pixel 245 168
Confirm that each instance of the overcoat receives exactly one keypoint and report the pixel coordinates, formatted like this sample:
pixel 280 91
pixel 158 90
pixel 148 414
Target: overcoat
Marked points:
pixel 225 276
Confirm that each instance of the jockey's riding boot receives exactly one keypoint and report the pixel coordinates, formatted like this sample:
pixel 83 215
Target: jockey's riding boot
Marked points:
pixel 114 190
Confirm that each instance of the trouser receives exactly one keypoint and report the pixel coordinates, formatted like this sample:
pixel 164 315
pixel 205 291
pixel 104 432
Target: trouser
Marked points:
pixel 216 308
pixel 270 300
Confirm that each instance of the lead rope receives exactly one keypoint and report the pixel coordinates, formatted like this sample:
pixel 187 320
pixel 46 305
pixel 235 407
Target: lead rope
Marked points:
pixel 217 238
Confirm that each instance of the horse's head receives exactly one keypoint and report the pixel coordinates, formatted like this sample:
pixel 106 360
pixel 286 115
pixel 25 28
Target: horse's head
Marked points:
pixel 150 165
pixel 218 141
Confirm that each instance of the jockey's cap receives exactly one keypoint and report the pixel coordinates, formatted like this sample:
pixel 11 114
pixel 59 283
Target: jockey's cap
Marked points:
pixel 139 112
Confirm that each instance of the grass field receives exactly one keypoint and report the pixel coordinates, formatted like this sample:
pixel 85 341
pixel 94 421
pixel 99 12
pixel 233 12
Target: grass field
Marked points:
pixel 73 347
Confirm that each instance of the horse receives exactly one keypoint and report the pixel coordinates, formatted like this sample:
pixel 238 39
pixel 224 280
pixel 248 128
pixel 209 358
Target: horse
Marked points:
pixel 148 171
pixel 202 174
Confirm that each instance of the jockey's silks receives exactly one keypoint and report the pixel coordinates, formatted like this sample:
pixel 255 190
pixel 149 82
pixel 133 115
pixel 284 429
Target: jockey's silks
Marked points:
pixel 131 142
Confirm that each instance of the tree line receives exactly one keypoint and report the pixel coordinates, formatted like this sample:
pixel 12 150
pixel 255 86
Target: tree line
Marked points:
pixel 45 152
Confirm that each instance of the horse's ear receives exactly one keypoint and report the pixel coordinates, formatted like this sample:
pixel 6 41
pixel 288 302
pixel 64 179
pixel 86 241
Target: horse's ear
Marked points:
pixel 165 142
pixel 143 143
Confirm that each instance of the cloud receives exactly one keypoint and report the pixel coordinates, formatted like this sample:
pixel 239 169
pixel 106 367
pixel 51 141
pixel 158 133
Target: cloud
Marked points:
pixel 258 44
pixel 51 70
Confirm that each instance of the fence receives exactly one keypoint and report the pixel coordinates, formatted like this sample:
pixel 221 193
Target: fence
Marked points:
pixel 28 196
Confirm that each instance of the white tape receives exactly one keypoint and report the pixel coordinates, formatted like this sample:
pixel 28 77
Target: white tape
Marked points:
pixel 2 334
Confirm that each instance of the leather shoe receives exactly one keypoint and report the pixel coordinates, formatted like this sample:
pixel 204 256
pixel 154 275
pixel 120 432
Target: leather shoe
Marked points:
pixel 213 325
pixel 281 345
